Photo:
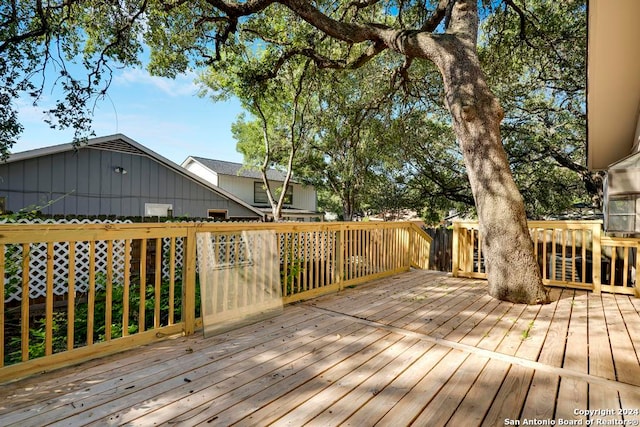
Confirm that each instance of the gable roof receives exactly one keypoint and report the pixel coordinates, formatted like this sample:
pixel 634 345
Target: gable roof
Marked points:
pixel 122 143
pixel 236 169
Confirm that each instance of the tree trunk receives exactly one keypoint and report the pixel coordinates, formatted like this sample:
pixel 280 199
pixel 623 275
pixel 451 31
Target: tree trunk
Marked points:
pixel 512 270
pixel 347 209
pixel 276 212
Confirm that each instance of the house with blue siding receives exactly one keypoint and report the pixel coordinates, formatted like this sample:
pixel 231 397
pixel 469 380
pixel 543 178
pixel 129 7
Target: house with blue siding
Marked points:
pixel 115 176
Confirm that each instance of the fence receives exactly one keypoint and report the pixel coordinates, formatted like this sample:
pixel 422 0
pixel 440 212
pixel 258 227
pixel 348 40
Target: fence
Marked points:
pixel 109 287
pixel 441 244
pixel 571 254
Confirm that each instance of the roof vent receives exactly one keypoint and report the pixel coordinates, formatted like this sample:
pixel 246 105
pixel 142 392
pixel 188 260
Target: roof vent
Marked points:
pixel 118 145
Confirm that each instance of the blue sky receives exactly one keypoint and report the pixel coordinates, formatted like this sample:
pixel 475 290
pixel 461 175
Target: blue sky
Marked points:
pixel 162 114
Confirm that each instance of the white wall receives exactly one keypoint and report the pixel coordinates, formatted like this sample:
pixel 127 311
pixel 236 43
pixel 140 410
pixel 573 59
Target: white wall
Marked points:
pixel 203 172
pixel 240 187
pixel 304 197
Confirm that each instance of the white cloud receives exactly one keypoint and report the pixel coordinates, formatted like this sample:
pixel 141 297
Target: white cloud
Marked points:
pixel 180 86
pixel 29 113
pixel 161 113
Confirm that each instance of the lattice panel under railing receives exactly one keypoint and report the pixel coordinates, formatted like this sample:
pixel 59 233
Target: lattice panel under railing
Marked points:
pixel 235 248
pixel 38 263
pixel 179 254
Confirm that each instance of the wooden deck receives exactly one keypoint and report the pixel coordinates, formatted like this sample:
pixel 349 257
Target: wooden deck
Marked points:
pixel 420 348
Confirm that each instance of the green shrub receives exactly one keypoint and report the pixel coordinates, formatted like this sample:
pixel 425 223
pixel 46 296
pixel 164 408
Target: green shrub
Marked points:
pixel 37 330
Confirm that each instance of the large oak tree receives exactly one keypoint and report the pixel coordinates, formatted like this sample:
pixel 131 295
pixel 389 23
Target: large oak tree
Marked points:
pixel 184 34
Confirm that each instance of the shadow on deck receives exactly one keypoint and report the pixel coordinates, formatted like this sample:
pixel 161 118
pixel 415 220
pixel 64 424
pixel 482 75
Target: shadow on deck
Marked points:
pixel 419 348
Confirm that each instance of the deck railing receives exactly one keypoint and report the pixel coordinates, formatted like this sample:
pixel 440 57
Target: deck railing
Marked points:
pixel 144 285
pixel 572 254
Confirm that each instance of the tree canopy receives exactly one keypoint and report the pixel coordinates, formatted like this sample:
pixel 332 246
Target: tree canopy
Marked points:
pixel 539 76
pixel 263 36
pixel 534 58
pixel 535 61
pixel 181 35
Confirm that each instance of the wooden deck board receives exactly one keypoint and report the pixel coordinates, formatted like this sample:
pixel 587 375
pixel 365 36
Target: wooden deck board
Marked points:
pixel 258 381
pixel 132 370
pixel 154 380
pixel 373 372
pixel 422 304
pixel 420 348
pixel 472 319
pixel 625 357
pixel 67 380
pixel 539 341
pixel 600 359
pixel 480 397
pixel 544 385
pixel 313 378
pixel 600 356
pixel 536 332
pixel 428 387
pixel 361 395
pixel 631 319
pixel 573 394
pixel 443 406
pixel 514 337
pixel 508 401
pixel 433 316
pixel 376 408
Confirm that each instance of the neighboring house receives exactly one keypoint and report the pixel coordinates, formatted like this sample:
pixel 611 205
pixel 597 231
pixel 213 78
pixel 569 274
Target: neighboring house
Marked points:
pixel 112 175
pixel 301 202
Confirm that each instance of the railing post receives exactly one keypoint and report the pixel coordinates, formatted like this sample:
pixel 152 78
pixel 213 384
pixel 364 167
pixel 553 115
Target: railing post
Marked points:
pixel 596 257
pixel 410 249
pixel 637 288
pixel 427 255
pixel 455 250
pixel 2 320
pixel 340 242
pixel 189 281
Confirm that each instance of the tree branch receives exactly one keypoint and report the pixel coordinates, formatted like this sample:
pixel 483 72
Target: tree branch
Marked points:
pixel 348 32
pixel 436 17
pixel 36 32
pixel 464 20
pixel 523 22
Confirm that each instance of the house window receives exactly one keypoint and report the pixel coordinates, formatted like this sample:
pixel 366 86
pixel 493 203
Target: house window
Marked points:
pixel 621 214
pixel 260 194
pixel 158 209
pixel 217 214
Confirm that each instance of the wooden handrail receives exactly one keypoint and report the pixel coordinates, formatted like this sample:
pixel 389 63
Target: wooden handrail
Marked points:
pixel 148 280
pixel 572 254
pixel 420 244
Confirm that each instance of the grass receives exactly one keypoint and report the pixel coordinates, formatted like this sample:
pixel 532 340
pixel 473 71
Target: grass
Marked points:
pixel 527 332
